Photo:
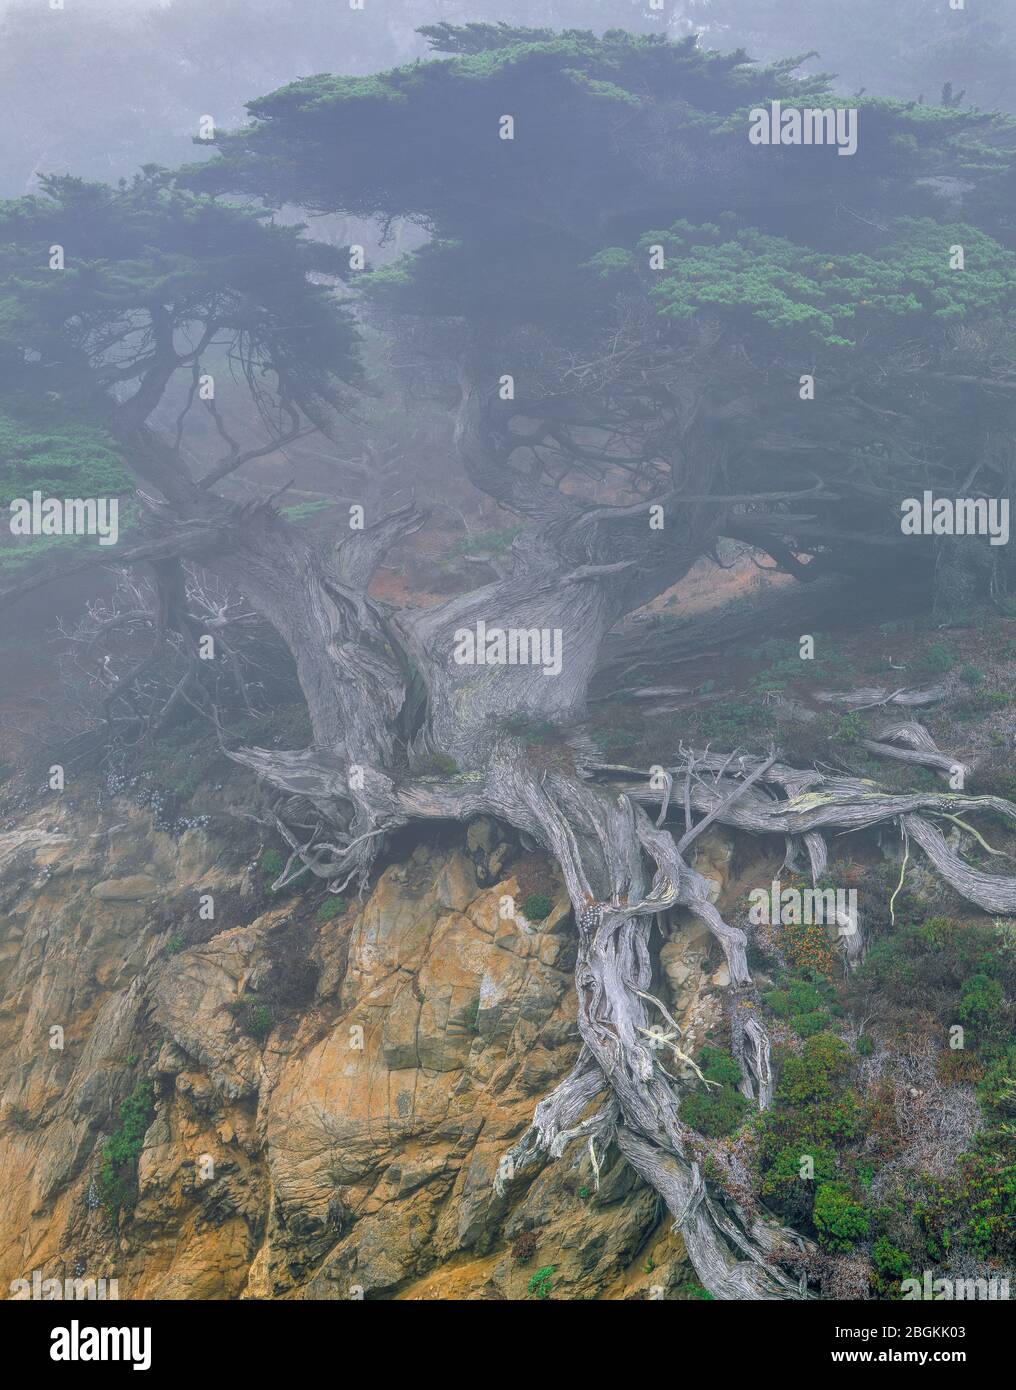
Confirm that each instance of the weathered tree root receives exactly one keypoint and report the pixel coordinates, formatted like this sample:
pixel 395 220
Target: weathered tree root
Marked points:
pixel 872 697
pixel 911 743
pixel 736 1254
pixel 596 827
pixel 800 805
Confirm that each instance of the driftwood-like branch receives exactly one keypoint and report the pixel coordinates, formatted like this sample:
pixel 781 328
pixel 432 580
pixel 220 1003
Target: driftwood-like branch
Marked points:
pixel 871 698
pixel 911 743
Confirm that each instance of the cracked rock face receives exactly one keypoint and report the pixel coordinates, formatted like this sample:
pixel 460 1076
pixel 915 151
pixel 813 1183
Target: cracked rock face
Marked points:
pixel 348 1147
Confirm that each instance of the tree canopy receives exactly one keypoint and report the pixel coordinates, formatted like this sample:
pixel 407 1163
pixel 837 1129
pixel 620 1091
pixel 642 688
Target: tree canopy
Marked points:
pixel 146 261
pixel 655 288
pixel 627 252
pixel 112 299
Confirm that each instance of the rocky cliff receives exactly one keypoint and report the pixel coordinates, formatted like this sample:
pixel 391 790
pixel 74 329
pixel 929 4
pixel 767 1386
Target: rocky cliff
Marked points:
pixel 213 1091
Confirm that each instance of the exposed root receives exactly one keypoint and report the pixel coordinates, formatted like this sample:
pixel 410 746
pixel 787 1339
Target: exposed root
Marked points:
pixel 734 1258
pixel 596 827
pixel 736 1254
pixel 908 696
pixel 800 805
pixel 911 743
pixel 601 839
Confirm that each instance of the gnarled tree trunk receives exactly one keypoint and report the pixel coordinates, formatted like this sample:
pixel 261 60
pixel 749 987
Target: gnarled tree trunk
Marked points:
pixel 383 688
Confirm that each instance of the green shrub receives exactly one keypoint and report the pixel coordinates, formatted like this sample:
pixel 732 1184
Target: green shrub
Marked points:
pixel 777 1001
pixel 717 1065
pixel 850 727
pixel 981 1001
pixel 839 1220
pixel 713 1113
pixel 889 970
pixel 805 997
pixel 836 1121
pixel 997 1089
pixel 995 776
pixel 254 1017
pixel 536 907
pixel 990 1183
pixel 889 1260
pixel 812 1076
pixel 950 966
pixel 540 1284
pixel 815 1114
pixel 121 1151
pixel 936 659
pixel 330 907
pixel 534 732
pixel 260 1021
pixel 983 702
pixel 732 721
pixel 805 1004
pixel 963 943
pixel 271 864
pixel 785 1189
pixel 974 1207
pixel 807 1025
pixel 495 542
pixel 611 739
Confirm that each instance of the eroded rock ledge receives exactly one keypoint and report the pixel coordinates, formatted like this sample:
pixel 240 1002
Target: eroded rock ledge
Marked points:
pixel 352 1147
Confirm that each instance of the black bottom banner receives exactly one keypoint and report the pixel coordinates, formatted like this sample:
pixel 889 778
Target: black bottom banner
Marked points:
pixel 76 1338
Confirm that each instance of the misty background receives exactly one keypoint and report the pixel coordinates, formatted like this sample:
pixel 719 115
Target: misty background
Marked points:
pixel 100 87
